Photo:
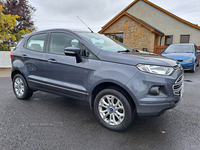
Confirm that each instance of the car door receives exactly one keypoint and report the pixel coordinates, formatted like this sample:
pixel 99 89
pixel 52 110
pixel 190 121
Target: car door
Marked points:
pixel 33 54
pixel 63 74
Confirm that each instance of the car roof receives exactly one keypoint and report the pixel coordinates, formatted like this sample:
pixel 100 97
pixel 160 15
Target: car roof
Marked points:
pixel 58 29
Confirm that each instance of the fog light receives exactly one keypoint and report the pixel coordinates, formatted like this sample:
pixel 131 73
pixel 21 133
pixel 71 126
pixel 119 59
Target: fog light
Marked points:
pixel 154 91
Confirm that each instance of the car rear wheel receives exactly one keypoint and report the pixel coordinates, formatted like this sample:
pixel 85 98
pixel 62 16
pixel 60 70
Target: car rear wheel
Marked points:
pixel 20 87
pixel 113 110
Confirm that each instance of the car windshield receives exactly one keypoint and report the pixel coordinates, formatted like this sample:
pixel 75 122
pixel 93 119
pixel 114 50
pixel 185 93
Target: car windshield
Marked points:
pixel 103 42
pixel 179 49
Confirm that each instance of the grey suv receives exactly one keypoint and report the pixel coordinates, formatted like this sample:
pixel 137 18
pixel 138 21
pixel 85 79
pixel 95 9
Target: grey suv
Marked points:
pixel 117 82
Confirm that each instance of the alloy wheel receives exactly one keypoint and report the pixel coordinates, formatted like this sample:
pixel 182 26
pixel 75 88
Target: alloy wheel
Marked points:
pixel 111 110
pixel 19 87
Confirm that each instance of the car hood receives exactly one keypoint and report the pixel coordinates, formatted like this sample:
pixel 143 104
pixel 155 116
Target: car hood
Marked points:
pixel 135 58
pixel 178 56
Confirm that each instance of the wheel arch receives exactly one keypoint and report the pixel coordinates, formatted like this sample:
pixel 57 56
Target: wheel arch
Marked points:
pixel 111 85
pixel 17 72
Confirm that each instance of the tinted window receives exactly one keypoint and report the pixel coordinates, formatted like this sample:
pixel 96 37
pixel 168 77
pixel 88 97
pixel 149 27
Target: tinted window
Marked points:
pixel 59 41
pixel 36 42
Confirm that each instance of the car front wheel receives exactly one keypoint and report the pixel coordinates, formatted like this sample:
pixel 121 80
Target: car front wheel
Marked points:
pixel 20 87
pixel 194 68
pixel 113 109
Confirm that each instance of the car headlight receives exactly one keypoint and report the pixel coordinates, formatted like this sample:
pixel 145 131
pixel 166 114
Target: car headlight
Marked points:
pixel 162 70
pixel 188 60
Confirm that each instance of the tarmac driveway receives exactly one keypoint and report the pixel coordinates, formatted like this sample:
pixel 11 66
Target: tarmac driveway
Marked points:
pixel 48 121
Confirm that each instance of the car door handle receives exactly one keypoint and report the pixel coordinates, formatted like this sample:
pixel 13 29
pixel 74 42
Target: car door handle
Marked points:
pixel 52 61
pixel 24 55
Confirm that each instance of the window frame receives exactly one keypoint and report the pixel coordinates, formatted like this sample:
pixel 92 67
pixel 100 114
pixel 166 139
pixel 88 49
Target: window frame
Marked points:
pixel 115 36
pixel 166 40
pixel 185 35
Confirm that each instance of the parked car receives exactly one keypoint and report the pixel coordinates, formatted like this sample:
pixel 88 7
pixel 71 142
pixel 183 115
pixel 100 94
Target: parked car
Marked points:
pixel 188 55
pixel 118 83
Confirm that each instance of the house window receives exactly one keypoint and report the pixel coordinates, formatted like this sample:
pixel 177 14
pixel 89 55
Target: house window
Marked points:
pixel 185 38
pixel 117 36
pixel 168 39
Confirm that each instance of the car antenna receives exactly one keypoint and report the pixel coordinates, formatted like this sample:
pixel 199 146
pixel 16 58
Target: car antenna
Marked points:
pixel 85 24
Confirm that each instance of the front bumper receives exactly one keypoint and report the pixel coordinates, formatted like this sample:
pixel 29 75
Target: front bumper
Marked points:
pixel 187 65
pixel 171 90
pixel 154 110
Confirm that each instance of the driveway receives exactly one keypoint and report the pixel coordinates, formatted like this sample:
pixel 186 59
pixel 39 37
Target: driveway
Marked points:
pixel 48 122
pixel 5 72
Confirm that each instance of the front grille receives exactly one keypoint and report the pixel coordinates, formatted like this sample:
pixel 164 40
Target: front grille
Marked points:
pixel 178 85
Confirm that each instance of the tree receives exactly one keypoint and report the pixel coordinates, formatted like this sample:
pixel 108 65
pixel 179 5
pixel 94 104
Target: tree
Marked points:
pixel 23 10
pixel 7 25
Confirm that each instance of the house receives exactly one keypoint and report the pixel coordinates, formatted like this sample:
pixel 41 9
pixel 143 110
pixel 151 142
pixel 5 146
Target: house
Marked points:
pixel 143 25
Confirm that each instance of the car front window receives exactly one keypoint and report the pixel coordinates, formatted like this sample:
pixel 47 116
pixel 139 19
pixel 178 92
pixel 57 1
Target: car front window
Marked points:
pixel 104 43
pixel 179 49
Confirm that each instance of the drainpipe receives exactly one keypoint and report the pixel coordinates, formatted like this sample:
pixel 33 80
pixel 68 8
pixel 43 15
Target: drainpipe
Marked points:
pixel 161 39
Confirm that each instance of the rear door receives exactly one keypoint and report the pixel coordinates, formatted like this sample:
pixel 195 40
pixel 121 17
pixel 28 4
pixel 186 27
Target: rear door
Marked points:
pixel 62 74
pixel 32 54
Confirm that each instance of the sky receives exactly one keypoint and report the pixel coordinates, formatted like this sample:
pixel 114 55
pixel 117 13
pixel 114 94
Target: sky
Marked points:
pixel 96 13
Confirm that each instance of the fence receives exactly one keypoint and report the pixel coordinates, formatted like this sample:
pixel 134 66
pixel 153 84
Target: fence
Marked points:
pixel 158 49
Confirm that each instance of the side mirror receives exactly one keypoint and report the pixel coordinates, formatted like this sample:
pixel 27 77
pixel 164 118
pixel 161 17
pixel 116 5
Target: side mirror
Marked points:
pixel 74 51
pixel 198 51
pixel 162 51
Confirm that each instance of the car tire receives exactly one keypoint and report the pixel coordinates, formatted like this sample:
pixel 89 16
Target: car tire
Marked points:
pixel 194 68
pixel 21 88
pixel 113 110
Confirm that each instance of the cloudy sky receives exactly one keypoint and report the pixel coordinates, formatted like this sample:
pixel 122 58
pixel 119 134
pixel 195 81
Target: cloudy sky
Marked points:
pixel 96 13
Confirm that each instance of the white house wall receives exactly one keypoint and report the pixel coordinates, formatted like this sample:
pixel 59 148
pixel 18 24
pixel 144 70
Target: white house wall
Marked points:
pixel 164 22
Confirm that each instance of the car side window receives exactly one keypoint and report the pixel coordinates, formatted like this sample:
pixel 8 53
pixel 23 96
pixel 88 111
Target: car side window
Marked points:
pixel 59 41
pixel 87 54
pixel 36 42
pixel 196 48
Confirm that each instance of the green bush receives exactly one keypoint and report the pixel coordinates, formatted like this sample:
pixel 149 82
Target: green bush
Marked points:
pixel 4 47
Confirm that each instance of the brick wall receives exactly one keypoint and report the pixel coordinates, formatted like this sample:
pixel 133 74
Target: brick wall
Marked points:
pixel 135 35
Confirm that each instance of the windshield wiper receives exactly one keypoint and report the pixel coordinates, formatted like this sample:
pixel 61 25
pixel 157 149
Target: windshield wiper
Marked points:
pixel 125 51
